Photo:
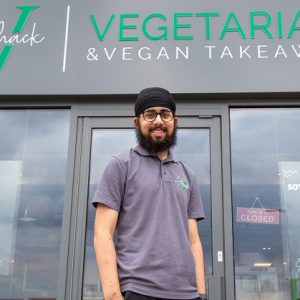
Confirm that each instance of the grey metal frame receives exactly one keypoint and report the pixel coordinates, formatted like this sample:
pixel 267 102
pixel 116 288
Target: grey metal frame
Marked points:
pixel 80 196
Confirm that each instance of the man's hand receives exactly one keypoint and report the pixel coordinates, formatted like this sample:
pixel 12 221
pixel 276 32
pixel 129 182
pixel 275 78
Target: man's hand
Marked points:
pixel 114 296
pixel 203 297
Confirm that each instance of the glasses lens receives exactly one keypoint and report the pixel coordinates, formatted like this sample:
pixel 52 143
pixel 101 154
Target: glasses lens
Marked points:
pixel 149 115
pixel 166 115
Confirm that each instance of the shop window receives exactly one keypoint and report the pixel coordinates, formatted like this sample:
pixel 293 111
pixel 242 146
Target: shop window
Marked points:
pixel 265 146
pixel 33 155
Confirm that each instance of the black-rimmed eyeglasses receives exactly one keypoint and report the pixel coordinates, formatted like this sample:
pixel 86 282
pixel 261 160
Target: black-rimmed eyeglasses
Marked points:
pixel 151 115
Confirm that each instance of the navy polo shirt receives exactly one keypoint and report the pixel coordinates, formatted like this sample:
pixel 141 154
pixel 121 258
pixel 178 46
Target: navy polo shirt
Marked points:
pixel 154 199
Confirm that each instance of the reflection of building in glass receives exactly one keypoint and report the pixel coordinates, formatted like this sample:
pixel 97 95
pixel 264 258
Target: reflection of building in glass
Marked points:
pixel 32 173
pixel 290 183
pixel 266 252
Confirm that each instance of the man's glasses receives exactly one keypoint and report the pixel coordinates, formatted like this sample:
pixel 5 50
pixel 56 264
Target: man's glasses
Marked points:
pixel 151 115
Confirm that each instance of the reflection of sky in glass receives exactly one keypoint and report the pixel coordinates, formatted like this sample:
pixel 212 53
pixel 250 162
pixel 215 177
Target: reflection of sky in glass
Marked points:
pixel 39 140
pixel 260 140
pixel 192 148
pixel 104 145
pixel 9 177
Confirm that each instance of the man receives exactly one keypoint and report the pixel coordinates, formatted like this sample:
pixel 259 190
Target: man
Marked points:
pixel 146 238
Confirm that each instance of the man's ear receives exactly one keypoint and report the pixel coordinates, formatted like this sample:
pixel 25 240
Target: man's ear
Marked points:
pixel 176 121
pixel 136 122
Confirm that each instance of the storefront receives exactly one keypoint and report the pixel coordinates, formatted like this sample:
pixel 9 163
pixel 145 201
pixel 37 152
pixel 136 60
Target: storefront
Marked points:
pixel 69 75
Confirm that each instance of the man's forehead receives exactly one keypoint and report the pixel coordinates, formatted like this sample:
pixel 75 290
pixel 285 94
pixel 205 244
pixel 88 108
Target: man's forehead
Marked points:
pixel 157 108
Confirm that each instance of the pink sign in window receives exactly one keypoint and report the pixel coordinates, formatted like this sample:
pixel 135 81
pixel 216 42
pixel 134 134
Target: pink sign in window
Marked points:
pixel 257 215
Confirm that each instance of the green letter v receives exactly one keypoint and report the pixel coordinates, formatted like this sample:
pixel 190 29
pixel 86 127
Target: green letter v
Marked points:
pixel 101 37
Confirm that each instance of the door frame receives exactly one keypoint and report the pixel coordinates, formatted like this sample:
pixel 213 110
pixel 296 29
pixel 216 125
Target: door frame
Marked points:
pixel 85 125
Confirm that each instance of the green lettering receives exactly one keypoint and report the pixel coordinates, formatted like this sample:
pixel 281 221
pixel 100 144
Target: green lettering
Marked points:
pixel 207 16
pixel 26 10
pixel 237 27
pixel 5 54
pixel 262 27
pixel 101 37
pixel 294 25
pixel 279 24
pixel 164 29
pixel 176 26
pixel 123 26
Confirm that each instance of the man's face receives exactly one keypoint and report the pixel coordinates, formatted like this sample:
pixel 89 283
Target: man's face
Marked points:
pixel 159 134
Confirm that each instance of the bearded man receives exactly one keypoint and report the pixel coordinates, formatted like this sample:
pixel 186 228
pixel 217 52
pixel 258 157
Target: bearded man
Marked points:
pixel 147 203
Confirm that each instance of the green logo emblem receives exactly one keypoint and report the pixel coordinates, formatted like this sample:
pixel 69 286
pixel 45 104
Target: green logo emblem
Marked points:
pixel 182 183
pixel 25 12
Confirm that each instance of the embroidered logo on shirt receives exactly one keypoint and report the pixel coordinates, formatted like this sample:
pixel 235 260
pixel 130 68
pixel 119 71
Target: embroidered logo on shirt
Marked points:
pixel 182 183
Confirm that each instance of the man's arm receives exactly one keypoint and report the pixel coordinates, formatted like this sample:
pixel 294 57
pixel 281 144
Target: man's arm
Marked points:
pixel 105 224
pixel 197 251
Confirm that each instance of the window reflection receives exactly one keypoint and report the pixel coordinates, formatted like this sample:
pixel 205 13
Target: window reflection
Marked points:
pixel 265 161
pixel 193 147
pixel 33 154
pixel 105 143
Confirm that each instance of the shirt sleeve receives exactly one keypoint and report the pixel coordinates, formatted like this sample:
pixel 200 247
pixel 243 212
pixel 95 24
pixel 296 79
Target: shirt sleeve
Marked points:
pixel 110 190
pixel 195 206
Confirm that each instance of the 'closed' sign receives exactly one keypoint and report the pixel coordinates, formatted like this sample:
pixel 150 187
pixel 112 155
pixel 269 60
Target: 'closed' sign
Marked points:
pixel 257 215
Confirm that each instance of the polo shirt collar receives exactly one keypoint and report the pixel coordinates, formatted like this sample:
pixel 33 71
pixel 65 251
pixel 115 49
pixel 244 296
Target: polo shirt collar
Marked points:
pixel 143 152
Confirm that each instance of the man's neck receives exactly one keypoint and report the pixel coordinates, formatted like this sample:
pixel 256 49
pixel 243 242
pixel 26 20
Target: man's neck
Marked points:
pixel 162 155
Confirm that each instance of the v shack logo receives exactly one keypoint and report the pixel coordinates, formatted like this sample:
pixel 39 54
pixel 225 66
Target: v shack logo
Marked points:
pixel 17 34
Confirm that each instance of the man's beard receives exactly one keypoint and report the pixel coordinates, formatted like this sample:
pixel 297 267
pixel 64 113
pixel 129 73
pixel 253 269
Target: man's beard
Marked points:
pixel 156 146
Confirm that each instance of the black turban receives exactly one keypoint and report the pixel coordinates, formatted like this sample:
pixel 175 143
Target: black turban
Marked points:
pixel 154 96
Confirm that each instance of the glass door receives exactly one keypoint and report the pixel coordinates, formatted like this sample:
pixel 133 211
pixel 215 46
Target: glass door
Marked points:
pixel 198 145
